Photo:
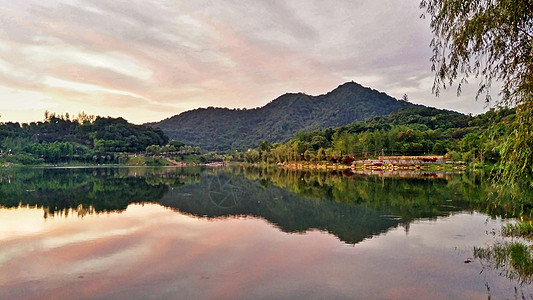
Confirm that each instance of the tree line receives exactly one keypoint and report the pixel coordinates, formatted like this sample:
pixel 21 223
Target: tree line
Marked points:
pixel 85 138
pixel 409 131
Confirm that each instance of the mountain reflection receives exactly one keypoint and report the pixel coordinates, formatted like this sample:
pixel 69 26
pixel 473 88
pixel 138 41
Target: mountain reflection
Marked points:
pixel 351 206
pixel 227 195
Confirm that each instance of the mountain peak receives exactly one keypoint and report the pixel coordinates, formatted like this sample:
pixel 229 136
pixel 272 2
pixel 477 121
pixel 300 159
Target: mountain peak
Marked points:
pixel 350 84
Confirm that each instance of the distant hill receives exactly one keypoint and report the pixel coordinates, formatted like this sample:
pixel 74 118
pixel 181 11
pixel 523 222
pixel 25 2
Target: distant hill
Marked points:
pixel 278 121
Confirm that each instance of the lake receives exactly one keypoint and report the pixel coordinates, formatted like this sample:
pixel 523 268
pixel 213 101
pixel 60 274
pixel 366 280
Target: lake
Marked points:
pixel 251 233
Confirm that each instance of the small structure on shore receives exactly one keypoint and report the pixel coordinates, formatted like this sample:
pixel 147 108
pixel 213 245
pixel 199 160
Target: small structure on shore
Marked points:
pixel 439 159
pixel 399 162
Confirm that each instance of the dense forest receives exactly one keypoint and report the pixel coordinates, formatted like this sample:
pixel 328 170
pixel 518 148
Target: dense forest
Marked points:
pixel 411 130
pixel 278 121
pixel 85 138
pixel 408 131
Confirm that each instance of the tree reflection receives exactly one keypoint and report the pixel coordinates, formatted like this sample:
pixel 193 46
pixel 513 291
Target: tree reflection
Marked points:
pixel 351 206
pixel 85 190
pixel 223 192
pixel 412 195
pixel 226 195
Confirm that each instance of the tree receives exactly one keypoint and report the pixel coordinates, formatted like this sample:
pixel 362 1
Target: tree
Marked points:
pixel 343 142
pixel 264 146
pixel 490 40
pixel 319 141
pixel 439 148
pixel 321 154
pixel 517 152
pixel 177 144
pixel 252 156
pixel 153 149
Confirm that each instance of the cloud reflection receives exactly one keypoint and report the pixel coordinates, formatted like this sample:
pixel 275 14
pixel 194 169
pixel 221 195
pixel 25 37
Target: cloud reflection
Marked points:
pixel 150 251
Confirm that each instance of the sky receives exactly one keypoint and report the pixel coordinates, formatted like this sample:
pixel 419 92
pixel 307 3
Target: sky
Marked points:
pixel 149 60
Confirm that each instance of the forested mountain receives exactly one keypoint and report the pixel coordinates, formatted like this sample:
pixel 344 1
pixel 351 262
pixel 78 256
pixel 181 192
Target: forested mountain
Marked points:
pixel 278 121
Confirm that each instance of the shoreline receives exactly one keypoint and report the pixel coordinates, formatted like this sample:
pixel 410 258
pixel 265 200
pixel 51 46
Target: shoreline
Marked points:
pixel 384 167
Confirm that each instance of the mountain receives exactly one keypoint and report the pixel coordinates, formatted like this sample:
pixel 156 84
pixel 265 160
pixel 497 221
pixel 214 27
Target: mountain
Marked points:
pixel 278 121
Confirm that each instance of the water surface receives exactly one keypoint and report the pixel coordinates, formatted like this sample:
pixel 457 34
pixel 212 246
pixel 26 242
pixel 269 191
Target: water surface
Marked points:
pixel 193 233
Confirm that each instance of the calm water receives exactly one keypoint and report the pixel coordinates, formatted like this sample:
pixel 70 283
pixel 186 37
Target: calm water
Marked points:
pixel 192 233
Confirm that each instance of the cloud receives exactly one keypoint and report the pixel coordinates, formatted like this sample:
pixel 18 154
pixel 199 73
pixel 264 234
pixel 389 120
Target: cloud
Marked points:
pixel 30 100
pixel 163 57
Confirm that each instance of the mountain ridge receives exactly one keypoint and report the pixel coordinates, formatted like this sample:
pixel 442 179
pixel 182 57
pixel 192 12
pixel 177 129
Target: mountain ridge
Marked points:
pixel 217 128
